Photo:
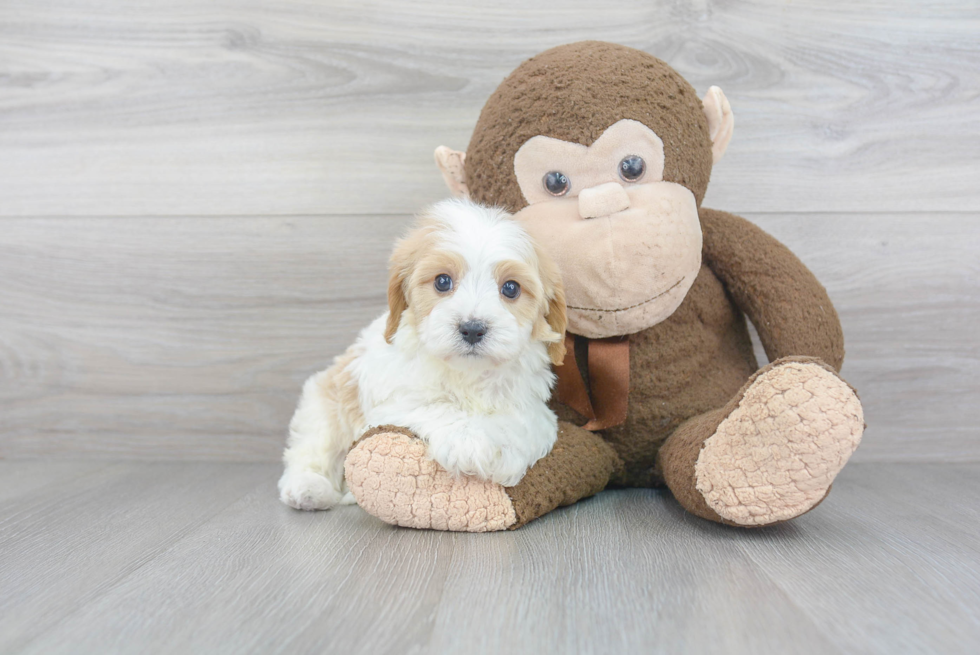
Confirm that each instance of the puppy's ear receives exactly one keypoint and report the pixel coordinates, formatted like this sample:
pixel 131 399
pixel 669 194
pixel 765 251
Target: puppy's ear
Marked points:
pixel 551 326
pixel 397 304
pixel 399 269
pixel 557 321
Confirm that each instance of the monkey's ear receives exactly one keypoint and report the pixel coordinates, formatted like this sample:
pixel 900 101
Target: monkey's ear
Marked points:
pixel 721 121
pixel 450 162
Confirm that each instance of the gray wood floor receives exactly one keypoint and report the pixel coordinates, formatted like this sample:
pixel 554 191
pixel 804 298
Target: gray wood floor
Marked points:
pixel 193 557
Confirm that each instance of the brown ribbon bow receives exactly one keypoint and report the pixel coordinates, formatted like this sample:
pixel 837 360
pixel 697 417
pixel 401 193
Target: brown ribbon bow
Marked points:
pixel 609 378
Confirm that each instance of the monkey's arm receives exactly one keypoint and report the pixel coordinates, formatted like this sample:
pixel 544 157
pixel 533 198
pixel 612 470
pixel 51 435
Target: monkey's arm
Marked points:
pixel 788 306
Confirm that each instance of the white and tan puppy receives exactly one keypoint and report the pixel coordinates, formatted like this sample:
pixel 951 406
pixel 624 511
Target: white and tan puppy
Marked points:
pixel 476 317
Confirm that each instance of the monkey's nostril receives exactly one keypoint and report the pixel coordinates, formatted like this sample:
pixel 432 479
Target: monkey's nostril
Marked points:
pixel 473 331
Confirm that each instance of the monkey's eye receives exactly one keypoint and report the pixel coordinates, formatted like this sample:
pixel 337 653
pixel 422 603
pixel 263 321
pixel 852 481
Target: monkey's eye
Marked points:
pixel 443 283
pixel 510 289
pixel 632 168
pixel 556 183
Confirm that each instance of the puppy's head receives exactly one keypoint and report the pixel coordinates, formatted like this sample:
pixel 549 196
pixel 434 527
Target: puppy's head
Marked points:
pixel 475 287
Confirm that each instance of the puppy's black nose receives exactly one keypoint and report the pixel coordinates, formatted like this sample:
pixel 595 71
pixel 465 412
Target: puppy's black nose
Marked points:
pixel 473 331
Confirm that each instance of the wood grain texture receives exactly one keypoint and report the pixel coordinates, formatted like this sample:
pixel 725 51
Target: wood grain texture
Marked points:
pixel 115 108
pixel 68 542
pixel 909 534
pixel 190 338
pixel 176 337
pixel 883 566
pixel 24 478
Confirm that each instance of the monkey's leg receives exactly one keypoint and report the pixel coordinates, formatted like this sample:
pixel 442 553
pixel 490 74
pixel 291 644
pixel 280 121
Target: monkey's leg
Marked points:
pixel 391 478
pixel 772 452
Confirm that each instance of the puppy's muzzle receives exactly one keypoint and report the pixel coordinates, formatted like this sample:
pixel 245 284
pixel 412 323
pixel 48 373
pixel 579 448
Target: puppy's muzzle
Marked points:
pixel 473 331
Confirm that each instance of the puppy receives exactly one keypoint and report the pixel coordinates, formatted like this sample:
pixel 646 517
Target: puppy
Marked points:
pixel 476 316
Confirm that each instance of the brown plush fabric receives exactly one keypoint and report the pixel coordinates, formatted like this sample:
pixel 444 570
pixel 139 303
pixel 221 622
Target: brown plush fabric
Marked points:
pixel 579 466
pixel 689 364
pixel 776 454
pixel 573 93
pixel 384 428
pixel 680 453
pixel 786 303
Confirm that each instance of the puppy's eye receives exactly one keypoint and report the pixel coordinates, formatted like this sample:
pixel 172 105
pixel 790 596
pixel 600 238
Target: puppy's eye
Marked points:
pixel 510 289
pixel 556 183
pixel 443 283
pixel 632 168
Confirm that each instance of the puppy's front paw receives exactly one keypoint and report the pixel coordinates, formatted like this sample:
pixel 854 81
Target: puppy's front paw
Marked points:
pixel 478 454
pixel 471 454
pixel 307 490
pixel 508 473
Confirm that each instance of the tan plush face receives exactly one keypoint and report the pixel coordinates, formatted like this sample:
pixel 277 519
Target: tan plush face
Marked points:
pixel 628 243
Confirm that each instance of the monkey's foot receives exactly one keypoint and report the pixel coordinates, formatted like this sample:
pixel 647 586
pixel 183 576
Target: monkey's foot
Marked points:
pixel 391 478
pixel 775 455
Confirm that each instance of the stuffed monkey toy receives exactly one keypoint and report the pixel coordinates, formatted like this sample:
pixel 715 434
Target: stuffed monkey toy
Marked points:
pixel 604 152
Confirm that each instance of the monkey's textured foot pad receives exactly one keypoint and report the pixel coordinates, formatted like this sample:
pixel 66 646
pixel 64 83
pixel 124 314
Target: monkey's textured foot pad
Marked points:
pixel 392 479
pixel 775 456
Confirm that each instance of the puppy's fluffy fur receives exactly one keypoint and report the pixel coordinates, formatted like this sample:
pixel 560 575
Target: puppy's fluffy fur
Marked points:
pixel 480 407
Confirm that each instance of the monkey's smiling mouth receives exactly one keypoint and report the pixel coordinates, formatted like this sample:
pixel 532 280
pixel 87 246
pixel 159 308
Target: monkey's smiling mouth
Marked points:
pixel 639 304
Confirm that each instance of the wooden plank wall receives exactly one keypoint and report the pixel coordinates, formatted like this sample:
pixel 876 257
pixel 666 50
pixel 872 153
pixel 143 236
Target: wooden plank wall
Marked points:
pixel 196 199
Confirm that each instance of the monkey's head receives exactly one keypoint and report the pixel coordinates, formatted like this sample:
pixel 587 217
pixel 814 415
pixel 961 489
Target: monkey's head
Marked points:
pixel 604 153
